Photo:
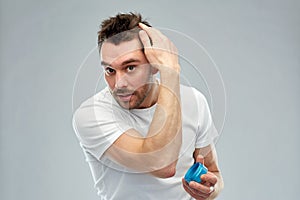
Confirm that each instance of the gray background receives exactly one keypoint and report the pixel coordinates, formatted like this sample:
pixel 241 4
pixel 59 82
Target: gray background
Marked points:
pixel 255 44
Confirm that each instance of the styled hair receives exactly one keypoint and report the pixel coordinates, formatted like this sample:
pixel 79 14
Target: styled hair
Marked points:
pixel 124 27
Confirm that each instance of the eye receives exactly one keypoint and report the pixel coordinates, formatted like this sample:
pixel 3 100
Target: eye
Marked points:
pixel 109 71
pixel 130 68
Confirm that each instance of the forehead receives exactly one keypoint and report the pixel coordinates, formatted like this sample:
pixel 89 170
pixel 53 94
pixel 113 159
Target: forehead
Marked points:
pixel 111 52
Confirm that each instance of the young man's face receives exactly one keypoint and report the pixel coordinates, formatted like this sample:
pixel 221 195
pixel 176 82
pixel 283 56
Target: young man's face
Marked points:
pixel 127 73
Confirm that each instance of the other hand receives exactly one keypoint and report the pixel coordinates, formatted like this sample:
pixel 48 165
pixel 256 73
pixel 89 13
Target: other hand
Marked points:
pixel 203 190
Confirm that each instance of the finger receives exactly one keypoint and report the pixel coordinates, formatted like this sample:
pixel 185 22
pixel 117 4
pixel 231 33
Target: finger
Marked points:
pixel 143 26
pixel 145 39
pixel 154 34
pixel 210 178
pixel 211 189
pixel 208 184
pixel 201 188
pixel 147 29
pixel 200 159
pixel 194 193
pixel 188 190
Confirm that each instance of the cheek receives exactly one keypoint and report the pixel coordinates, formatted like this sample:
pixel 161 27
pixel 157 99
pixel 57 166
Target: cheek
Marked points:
pixel 141 77
pixel 137 81
pixel 110 82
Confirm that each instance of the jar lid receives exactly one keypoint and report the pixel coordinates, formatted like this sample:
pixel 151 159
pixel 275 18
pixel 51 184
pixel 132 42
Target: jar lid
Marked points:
pixel 194 172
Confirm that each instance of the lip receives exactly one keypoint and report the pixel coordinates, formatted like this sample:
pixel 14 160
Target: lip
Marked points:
pixel 124 97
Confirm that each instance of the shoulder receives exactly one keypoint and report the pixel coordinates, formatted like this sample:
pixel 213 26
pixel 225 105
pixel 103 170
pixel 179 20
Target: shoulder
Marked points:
pixel 101 97
pixel 91 106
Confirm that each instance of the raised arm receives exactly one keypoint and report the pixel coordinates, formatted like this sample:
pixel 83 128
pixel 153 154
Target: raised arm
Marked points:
pixel 158 152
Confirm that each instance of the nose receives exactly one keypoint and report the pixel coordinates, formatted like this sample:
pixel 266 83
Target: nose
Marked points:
pixel 121 81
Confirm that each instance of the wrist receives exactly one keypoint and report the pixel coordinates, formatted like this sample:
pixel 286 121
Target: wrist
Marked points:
pixel 171 68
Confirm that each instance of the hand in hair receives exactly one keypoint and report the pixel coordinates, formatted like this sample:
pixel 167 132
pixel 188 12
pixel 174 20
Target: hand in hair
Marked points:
pixel 159 50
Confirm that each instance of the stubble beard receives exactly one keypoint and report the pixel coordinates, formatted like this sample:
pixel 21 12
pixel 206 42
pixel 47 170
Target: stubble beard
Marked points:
pixel 139 95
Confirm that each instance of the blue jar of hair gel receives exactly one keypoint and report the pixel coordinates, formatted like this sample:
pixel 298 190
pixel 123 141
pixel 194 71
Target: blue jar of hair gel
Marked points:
pixel 194 173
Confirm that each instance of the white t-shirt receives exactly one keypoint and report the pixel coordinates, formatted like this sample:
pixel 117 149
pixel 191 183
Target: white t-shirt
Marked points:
pixel 99 121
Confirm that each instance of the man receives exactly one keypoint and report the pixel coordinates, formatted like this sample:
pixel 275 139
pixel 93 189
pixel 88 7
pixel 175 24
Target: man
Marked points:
pixel 140 134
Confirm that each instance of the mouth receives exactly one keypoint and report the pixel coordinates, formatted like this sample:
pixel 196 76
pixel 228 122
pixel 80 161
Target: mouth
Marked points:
pixel 124 97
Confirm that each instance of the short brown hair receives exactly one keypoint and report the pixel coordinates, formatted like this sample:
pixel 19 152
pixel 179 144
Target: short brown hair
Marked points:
pixel 123 26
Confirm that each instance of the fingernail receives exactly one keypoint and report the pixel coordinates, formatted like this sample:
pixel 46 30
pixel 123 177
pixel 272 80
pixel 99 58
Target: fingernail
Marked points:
pixel 200 156
pixel 143 25
pixel 211 189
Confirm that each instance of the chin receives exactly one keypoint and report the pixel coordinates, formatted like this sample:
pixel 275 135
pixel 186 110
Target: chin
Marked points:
pixel 126 105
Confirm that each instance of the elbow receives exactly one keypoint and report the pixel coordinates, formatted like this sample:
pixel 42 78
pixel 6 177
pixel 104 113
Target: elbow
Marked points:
pixel 166 172
pixel 169 173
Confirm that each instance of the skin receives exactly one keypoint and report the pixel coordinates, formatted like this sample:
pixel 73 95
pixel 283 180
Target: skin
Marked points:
pixel 130 79
pixel 129 75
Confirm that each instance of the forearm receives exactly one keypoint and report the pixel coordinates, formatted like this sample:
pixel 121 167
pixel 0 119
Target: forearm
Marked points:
pixel 166 124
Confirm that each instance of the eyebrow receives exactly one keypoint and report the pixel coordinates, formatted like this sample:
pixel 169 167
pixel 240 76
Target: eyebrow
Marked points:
pixel 131 60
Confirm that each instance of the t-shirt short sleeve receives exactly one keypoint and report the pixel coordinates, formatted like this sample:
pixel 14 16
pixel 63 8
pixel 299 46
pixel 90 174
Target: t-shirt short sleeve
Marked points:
pixel 206 131
pixel 97 124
